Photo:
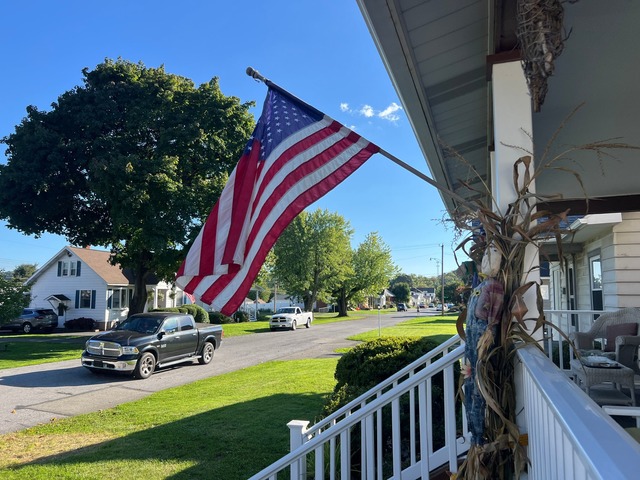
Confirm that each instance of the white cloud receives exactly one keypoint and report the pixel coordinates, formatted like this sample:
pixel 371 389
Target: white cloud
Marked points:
pixel 367 111
pixel 389 112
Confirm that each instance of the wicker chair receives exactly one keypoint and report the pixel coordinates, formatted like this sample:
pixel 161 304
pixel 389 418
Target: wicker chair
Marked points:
pixel 625 350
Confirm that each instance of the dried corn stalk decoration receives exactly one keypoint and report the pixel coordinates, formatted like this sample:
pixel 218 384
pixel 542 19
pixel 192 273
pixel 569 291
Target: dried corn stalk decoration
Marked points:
pixel 541 37
pixel 499 454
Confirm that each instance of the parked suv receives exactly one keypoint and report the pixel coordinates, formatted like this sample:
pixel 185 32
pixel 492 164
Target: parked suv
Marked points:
pixel 34 319
pixel 402 307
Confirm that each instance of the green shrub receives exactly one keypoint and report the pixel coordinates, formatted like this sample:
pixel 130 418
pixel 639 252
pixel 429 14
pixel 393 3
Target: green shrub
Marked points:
pixel 370 363
pixel 241 316
pixel 264 317
pixel 199 314
pixel 219 319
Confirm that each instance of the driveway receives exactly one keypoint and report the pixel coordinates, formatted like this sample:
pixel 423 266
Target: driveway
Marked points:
pixel 39 394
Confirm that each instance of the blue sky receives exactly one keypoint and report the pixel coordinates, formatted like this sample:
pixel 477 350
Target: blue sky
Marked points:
pixel 321 52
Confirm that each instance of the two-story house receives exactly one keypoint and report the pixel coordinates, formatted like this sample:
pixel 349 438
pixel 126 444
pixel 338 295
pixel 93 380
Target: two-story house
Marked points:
pixel 82 283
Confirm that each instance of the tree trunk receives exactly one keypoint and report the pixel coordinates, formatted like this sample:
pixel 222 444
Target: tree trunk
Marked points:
pixel 342 303
pixel 139 300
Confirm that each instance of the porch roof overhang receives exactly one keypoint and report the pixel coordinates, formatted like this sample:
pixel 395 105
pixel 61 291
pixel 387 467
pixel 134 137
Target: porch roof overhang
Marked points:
pixel 439 54
pixel 582 230
pixel 60 297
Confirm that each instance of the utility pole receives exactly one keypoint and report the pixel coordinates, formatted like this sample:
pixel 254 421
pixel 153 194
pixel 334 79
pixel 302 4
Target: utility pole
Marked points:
pixel 440 263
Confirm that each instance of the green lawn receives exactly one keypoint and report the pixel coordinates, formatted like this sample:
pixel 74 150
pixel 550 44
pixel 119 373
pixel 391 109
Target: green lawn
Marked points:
pixel 22 350
pixel 226 427
pixel 440 328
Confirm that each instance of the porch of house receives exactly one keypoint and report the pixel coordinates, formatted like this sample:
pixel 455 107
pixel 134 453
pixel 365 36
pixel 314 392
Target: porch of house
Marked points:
pixel 567 434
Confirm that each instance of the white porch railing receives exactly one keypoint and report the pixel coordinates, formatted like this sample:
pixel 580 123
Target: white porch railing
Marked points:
pixel 569 435
pixel 328 448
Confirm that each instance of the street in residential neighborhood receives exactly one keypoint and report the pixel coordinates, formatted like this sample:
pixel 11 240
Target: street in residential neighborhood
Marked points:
pixel 43 393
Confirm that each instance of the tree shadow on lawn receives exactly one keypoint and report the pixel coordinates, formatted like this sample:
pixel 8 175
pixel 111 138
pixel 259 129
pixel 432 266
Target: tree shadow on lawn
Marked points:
pixel 232 442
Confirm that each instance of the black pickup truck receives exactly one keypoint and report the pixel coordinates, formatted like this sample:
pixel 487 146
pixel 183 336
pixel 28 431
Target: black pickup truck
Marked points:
pixel 148 340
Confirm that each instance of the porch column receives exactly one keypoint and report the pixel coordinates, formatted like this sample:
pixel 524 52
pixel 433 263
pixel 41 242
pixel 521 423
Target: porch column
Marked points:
pixel 513 125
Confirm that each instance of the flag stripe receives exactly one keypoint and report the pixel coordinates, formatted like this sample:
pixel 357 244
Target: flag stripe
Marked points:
pixel 280 187
pixel 295 155
pixel 280 214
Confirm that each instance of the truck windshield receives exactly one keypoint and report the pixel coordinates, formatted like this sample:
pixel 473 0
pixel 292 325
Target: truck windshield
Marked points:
pixel 140 324
pixel 287 310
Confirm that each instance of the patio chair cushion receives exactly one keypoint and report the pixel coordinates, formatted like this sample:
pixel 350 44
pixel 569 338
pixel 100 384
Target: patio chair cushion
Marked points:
pixel 634 432
pixel 618 330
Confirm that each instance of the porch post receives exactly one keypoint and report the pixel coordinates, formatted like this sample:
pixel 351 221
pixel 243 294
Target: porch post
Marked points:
pixel 297 437
pixel 513 125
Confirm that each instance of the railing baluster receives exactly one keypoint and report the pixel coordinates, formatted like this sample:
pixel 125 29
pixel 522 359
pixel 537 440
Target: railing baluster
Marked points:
pixel 370 449
pixel 379 446
pixel 345 460
pixel 332 458
pixel 450 417
pixel 319 461
pixel 412 425
pixel 395 435
pixel 424 430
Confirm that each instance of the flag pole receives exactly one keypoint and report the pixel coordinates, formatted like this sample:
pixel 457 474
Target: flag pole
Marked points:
pixel 253 73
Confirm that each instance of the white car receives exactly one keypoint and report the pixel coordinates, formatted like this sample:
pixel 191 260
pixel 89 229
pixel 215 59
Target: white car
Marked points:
pixel 290 318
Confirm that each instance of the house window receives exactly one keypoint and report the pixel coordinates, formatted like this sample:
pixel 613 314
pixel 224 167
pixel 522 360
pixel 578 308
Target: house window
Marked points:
pixel 85 298
pixel 118 298
pixel 595 278
pixel 69 268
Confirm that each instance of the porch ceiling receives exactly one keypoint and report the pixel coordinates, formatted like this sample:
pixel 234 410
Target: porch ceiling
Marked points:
pixel 437 54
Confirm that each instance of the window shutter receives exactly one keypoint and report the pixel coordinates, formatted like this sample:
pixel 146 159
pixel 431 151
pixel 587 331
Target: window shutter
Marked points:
pixel 93 299
pixel 109 297
pixel 59 269
pixel 78 269
pixel 77 298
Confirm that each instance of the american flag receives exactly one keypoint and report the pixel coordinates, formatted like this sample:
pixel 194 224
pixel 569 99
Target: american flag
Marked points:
pixel 295 155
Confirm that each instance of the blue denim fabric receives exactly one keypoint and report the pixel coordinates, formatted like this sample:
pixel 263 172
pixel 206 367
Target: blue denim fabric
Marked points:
pixel 474 403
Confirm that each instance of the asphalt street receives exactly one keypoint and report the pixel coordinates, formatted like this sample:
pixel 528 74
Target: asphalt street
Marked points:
pixel 43 393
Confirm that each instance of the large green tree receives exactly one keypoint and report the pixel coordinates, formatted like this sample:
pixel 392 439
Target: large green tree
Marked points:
pixel 372 267
pixel 133 160
pixel 313 256
pixel 402 292
pixel 14 296
pixel 23 271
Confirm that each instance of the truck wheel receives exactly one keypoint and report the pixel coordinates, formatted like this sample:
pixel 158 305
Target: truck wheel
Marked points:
pixel 293 325
pixel 308 324
pixel 208 349
pixel 26 327
pixel 145 366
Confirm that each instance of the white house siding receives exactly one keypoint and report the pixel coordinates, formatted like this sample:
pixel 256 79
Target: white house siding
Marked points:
pixel 625 263
pixel 49 283
pixel 620 262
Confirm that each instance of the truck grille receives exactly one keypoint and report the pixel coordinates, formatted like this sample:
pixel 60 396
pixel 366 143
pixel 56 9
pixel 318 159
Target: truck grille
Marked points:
pixel 105 349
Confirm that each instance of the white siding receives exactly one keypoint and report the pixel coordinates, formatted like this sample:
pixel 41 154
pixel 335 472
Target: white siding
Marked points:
pixel 625 263
pixel 49 283
pixel 620 259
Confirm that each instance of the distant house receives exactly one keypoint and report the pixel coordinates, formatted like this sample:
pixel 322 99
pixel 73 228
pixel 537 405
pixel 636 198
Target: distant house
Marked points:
pixel 81 283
